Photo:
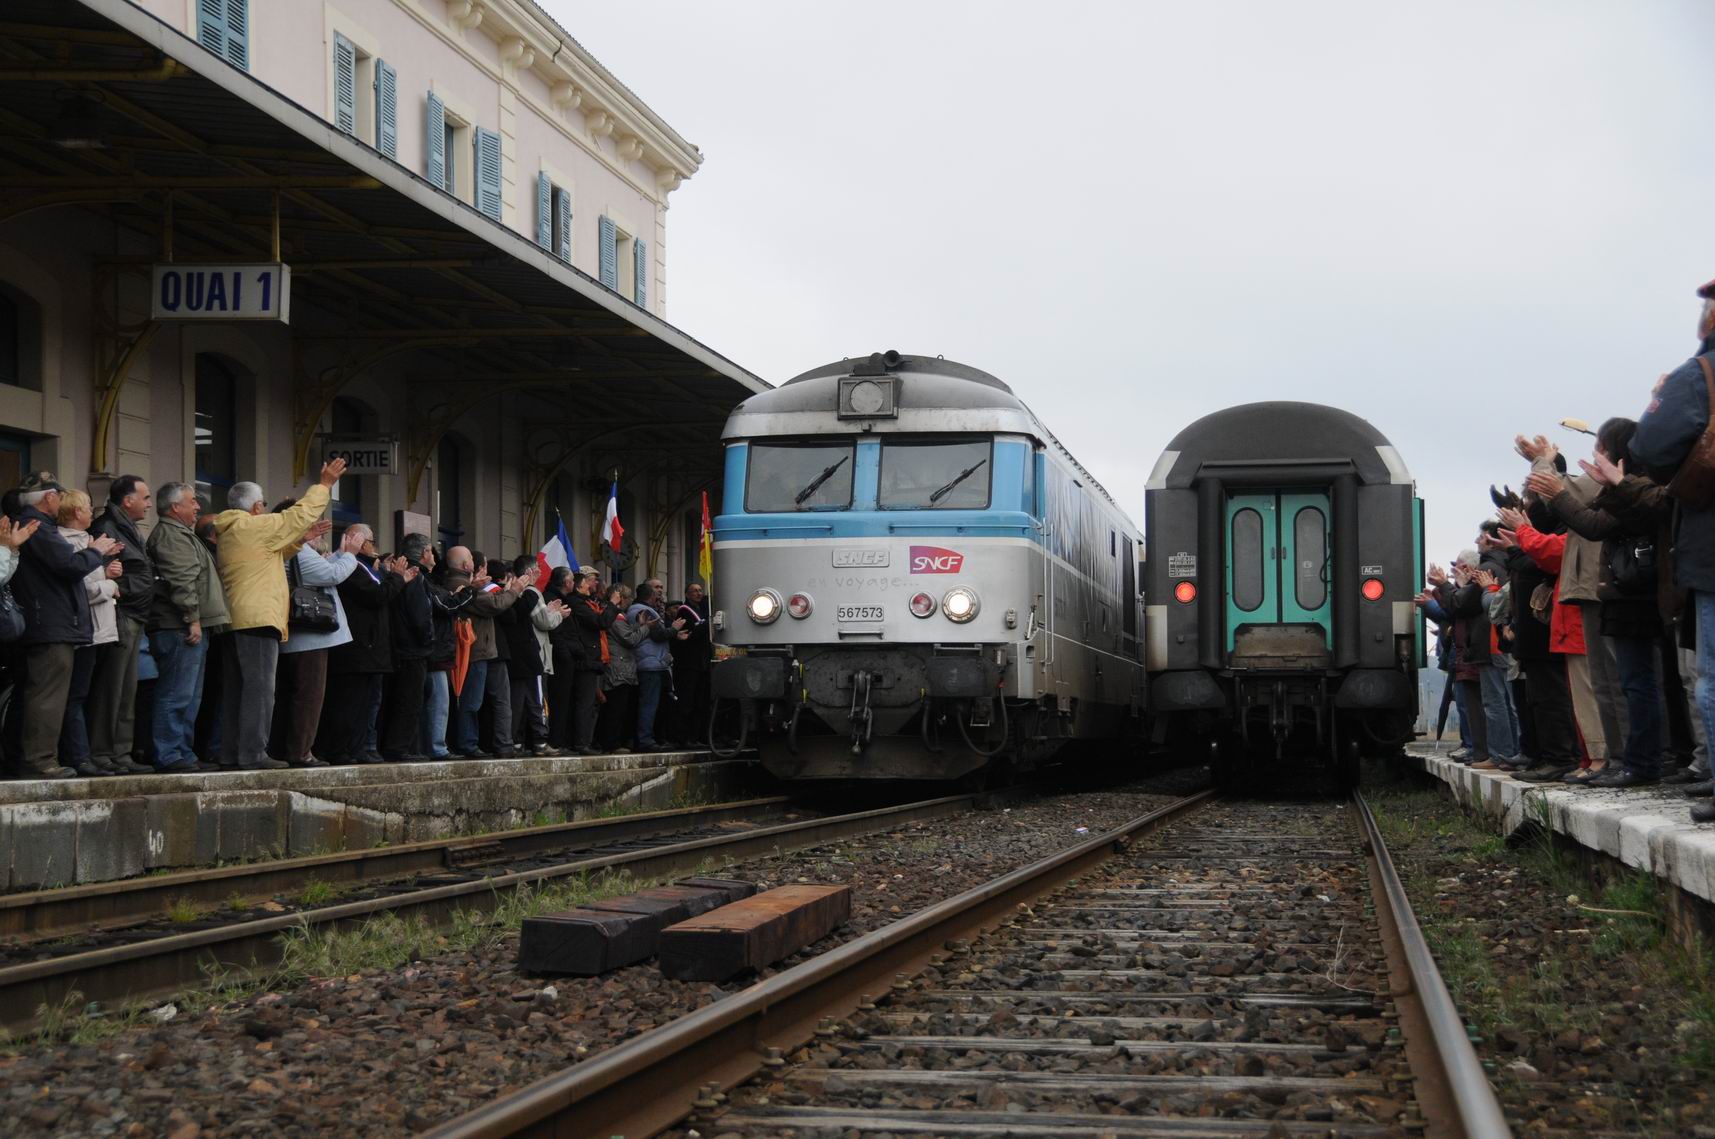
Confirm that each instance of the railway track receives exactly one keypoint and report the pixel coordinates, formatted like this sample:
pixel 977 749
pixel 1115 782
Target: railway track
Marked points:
pixel 138 954
pixel 1210 968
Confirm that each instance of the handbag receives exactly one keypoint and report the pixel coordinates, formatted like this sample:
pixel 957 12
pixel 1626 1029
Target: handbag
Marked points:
pixel 1693 483
pixel 312 610
pixel 11 616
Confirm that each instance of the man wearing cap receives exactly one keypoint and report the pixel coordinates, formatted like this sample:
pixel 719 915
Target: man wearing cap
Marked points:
pixel 48 586
pixel 113 688
pixel 1677 415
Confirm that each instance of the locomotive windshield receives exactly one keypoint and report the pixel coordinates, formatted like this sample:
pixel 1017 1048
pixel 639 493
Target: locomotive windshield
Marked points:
pixel 935 475
pixel 787 477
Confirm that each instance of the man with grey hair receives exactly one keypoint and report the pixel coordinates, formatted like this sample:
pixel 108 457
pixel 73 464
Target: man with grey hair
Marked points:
pixel 187 608
pixel 251 554
pixel 111 709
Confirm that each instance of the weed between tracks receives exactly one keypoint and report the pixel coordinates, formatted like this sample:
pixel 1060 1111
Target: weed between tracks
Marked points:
pixel 385 941
pixel 1581 1002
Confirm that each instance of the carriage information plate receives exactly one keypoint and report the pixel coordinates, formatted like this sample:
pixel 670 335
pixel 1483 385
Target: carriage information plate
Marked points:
pixel 1181 564
pixel 858 612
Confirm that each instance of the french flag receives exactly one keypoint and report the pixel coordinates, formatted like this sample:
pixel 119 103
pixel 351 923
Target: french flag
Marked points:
pixel 612 532
pixel 558 552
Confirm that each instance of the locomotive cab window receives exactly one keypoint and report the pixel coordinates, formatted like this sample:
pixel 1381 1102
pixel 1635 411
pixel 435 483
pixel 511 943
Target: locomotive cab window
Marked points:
pixel 787 477
pixel 935 475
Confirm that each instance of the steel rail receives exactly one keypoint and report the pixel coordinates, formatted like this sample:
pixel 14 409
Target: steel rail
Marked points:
pixel 163 965
pixel 648 1083
pixel 1453 1093
pixel 109 905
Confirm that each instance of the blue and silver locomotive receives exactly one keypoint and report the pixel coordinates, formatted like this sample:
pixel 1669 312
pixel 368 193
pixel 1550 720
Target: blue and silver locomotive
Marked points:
pixel 1285 547
pixel 919 581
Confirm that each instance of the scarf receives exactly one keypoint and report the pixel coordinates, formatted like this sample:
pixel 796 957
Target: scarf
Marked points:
pixel 595 607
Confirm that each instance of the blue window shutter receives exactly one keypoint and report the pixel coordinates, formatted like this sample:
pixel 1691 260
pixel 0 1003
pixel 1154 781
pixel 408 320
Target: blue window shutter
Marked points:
pixel 609 253
pixel 640 262
pixel 488 172
pixel 563 207
pixel 436 170
pixel 344 84
pixel 211 25
pixel 238 33
pixel 386 109
pixel 544 211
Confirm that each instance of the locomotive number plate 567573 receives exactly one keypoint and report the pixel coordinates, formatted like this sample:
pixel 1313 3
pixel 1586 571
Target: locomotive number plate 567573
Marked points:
pixel 858 612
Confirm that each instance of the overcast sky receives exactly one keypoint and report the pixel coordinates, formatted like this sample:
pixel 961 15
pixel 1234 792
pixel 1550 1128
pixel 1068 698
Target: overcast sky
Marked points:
pixel 1460 221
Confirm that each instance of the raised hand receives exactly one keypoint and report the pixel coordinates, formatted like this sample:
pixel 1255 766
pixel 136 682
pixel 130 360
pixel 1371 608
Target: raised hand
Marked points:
pixel 1484 578
pixel 1604 470
pixel 1512 519
pixel 1544 484
pixel 104 545
pixel 317 529
pixel 518 584
pixel 410 573
pixel 1437 575
pixel 332 471
pixel 14 536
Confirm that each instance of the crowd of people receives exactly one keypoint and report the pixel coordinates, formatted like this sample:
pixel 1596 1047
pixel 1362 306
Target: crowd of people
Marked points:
pixel 253 638
pixel 1579 632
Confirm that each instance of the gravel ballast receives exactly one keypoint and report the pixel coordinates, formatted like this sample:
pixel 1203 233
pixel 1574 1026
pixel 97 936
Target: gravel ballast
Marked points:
pixel 403 1049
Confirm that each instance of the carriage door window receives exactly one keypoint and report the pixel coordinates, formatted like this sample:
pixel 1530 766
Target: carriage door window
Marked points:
pixel 1248 559
pixel 1304 565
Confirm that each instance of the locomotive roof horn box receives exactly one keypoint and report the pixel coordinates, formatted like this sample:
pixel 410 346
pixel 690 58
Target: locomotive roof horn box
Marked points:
pixel 870 392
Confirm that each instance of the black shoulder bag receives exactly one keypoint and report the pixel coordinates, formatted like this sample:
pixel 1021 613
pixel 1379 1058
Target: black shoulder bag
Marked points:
pixel 312 610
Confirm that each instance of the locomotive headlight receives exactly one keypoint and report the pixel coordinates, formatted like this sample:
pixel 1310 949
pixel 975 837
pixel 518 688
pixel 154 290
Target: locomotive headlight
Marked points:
pixel 764 606
pixel 799 605
pixel 960 604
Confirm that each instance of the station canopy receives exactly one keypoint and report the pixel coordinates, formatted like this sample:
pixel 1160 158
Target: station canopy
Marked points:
pixel 105 108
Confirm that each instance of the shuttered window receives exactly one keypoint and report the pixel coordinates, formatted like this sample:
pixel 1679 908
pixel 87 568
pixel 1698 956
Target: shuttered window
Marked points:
pixel 487 150
pixel 386 109
pixel 344 84
pixel 435 139
pixel 223 27
pixel 544 211
pixel 640 263
pixel 563 223
pixel 609 237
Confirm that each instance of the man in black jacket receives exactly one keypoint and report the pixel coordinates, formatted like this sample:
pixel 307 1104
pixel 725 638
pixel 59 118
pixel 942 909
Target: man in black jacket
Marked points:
pixel 413 630
pixel 48 586
pixel 112 705
pixel 591 617
pixel 356 668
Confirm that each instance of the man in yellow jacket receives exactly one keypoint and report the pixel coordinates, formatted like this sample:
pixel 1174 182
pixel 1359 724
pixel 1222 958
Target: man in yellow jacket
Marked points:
pixel 251 552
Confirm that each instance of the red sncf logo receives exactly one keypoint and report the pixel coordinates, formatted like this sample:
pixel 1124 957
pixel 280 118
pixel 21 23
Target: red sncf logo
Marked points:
pixel 933 559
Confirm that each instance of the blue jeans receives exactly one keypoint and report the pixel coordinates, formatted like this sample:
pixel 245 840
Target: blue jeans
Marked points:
pixel 1464 716
pixel 74 726
pixel 1498 713
pixel 650 685
pixel 178 696
pixel 436 693
pixel 1637 659
pixel 470 703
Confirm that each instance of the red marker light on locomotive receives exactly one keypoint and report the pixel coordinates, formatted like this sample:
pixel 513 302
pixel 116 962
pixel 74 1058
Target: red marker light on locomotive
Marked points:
pixel 1373 589
pixel 1185 592
pixel 799 605
pixel 922 605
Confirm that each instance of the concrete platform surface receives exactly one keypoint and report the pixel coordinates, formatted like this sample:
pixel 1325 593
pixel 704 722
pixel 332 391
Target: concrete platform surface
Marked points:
pixel 1649 828
pixel 64 832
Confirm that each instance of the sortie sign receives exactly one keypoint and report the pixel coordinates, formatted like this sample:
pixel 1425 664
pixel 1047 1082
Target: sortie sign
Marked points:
pixel 222 292
pixel 363 454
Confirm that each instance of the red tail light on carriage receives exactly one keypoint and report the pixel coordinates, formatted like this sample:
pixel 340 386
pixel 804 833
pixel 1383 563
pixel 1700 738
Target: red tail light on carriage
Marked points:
pixel 1185 592
pixel 1373 589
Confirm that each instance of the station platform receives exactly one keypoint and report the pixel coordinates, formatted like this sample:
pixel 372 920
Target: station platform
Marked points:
pixel 70 831
pixel 1646 828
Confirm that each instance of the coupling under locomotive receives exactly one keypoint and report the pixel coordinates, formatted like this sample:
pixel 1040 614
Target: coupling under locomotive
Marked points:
pixel 1285 548
pixel 917 580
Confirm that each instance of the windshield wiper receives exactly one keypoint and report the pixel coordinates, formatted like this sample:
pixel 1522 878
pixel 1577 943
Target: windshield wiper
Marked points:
pixel 816 483
pixel 961 477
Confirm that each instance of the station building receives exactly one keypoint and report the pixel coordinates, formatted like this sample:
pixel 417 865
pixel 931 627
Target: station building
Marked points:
pixel 237 236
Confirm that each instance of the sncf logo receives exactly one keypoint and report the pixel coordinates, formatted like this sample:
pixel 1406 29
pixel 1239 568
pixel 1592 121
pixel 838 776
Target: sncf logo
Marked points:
pixel 933 559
